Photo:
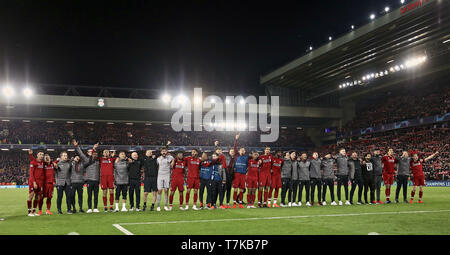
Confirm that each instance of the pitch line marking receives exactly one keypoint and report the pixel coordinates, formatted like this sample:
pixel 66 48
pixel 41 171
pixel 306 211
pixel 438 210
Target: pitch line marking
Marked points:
pixel 273 218
pixel 123 230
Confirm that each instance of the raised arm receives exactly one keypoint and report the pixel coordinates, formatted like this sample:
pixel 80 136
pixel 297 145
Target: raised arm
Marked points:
pixel 30 152
pixel 431 156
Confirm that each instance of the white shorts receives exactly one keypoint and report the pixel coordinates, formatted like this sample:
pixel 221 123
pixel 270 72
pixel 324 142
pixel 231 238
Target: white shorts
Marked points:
pixel 163 182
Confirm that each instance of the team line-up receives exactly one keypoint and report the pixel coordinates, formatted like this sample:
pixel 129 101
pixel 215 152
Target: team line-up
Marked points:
pixel 246 173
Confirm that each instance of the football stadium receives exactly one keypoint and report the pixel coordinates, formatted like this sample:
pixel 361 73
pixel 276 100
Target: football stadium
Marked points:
pixel 362 125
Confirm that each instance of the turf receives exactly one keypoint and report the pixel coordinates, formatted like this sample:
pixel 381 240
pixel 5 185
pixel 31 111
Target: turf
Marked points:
pixel 431 218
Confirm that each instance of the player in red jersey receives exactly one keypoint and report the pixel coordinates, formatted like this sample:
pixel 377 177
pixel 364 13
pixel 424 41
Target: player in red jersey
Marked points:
pixel 389 161
pixel 49 169
pixel 107 177
pixel 418 176
pixel 177 182
pixel 252 179
pixel 265 174
pixel 193 177
pixel 277 162
pixel 36 181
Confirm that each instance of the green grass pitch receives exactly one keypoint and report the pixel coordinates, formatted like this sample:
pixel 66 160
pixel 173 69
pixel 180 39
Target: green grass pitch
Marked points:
pixel 430 218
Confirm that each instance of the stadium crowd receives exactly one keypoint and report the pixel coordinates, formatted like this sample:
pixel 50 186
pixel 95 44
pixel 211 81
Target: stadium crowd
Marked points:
pixel 18 132
pixel 400 106
pixel 425 139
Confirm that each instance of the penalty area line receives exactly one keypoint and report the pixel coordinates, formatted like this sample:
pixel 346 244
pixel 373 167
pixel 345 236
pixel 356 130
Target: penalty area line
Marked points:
pixel 121 228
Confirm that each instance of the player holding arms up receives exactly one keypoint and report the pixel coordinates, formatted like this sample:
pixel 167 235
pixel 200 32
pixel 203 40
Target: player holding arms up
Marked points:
pixel 265 174
pixel 277 163
pixel 240 172
pixel 252 180
pixel 92 167
pixel 107 178
pixel 389 161
pixel 418 176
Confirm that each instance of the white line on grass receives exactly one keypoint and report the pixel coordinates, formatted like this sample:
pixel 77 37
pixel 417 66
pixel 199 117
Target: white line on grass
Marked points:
pixel 120 227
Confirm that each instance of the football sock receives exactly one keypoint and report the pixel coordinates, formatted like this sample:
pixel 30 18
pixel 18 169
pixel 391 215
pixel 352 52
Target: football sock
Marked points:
pixel 158 199
pixel 105 201
pixel 171 199
pixel 188 194
pixel 259 196
pixel 241 197
pixel 235 196
pixel 266 195
pixel 41 202
pixel 29 204
pixel 195 198
pixel 420 195
pixel 111 199
pixel 412 194
pixel 249 198
pixel 166 198
pixel 49 203
pixel 181 199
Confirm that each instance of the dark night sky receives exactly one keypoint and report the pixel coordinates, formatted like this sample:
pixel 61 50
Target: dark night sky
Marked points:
pixel 221 45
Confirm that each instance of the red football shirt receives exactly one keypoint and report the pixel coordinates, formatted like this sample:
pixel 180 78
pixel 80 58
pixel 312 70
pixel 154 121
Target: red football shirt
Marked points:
pixel 276 165
pixel 178 168
pixel 388 164
pixel 49 173
pixel 253 167
pixel 416 168
pixel 107 166
pixel 266 163
pixel 193 165
pixel 36 171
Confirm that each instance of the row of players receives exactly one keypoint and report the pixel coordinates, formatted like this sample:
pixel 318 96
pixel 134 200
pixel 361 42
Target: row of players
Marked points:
pixel 219 174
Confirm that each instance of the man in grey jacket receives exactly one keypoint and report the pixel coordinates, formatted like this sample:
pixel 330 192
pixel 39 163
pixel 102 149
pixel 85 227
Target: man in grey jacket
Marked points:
pixel 303 175
pixel 121 180
pixel 402 177
pixel 378 173
pixel 316 178
pixel 328 178
pixel 92 169
pixel 77 180
pixel 286 177
pixel 63 184
pixel 342 175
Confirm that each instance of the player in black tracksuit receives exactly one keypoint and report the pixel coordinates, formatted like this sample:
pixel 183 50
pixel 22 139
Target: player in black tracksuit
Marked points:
pixel 150 178
pixel 356 177
pixel 368 174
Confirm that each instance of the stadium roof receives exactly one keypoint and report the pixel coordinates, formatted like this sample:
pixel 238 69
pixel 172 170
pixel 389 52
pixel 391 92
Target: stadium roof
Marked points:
pixel 418 28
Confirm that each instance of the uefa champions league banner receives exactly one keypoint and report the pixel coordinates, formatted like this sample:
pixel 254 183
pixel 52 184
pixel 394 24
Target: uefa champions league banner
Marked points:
pixel 437 183
pixel 396 125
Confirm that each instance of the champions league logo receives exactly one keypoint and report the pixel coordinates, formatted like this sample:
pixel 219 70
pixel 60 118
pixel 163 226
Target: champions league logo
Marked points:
pixel 227 116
